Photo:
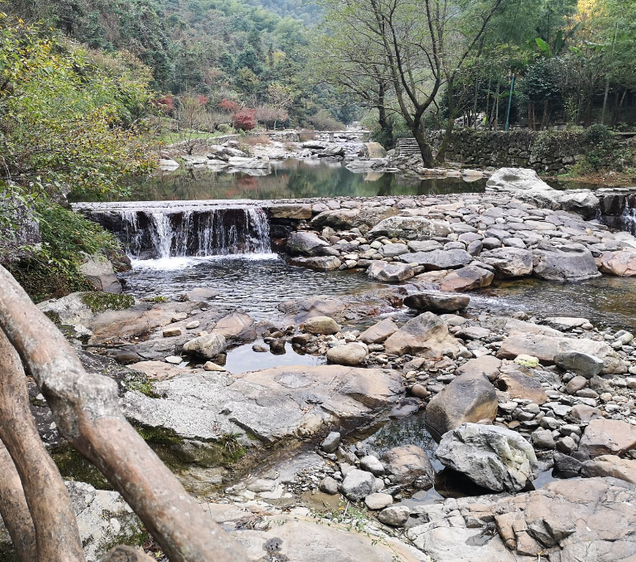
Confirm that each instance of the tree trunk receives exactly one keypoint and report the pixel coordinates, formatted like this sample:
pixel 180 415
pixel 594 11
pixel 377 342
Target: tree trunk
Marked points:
pixel 14 509
pixel 544 117
pixel 57 536
pixel 425 148
pixel 497 105
pixel 86 410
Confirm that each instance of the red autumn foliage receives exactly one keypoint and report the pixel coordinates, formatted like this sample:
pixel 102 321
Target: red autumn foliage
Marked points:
pixel 229 106
pixel 245 119
pixel 203 100
pixel 165 103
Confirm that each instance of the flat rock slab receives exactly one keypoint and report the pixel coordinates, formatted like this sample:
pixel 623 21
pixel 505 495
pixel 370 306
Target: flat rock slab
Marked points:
pixel 437 302
pixel 608 437
pixel 303 539
pixel 272 404
pixel 469 278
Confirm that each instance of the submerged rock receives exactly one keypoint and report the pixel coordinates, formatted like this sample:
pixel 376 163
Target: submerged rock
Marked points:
pixel 492 457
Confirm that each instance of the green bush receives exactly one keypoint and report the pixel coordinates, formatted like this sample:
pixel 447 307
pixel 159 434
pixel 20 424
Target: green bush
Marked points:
pixel 51 269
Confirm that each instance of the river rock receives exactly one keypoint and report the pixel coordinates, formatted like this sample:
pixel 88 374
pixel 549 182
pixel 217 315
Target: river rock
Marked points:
pixel 340 219
pixel 407 464
pixel 509 262
pixel 394 250
pixel 379 332
pixel 425 335
pixel 306 244
pixel 520 385
pixel 390 272
pixel 410 228
pixel 70 310
pixel 318 263
pixel 608 437
pixel 352 354
pixel 611 465
pixel 378 501
pixel 487 366
pixel 439 259
pixel 293 212
pixel 565 264
pixel 274 404
pixel 468 398
pixel 516 180
pixel 547 348
pixel 437 302
pixel 622 264
pixel 206 347
pixel 374 150
pixel 237 327
pixel 373 465
pixel 331 443
pixel 321 325
pixel 495 458
pixel 395 516
pixel 357 484
pixel 467 278
pixel 99 271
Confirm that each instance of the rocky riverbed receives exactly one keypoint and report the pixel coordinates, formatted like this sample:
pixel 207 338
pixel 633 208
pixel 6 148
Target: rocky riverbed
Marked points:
pixel 289 457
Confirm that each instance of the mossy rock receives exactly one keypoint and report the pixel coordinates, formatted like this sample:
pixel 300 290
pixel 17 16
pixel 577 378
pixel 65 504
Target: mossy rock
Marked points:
pixel 101 302
pixel 72 465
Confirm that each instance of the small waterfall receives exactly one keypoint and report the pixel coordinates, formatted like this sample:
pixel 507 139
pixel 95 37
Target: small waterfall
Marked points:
pixel 628 218
pixel 177 232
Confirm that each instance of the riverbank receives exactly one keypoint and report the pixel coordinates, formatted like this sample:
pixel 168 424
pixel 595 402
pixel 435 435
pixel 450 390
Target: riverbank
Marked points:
pixel 340 424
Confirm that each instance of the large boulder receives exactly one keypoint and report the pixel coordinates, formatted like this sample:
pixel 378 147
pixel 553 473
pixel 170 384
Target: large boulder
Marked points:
pixel 352 354
pixel 565 264
pixel 437 302
pixel 509 262
pixel 439 259
pixel 99 271
pixel 548 347
pixel 374 150
pixel 379 332
pixel 512 180
pixel 390 272
pixel 306 244
pixel 622 264
pixel 321 325
pixel 425 335
pixel 208 346
pixel 410 228
pixel 409 464
pixel 494 458
pixel 608 437
pixel 468 398
pixel 469 278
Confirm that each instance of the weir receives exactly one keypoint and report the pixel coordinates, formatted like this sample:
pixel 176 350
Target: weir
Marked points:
pixel 152 231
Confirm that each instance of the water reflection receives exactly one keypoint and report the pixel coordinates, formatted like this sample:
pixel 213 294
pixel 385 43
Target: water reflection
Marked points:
pixel 291 179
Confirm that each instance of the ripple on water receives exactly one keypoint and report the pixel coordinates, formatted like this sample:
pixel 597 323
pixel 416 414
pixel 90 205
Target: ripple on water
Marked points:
pixel 255 283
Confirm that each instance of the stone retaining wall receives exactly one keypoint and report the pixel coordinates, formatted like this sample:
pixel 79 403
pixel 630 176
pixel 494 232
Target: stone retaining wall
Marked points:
pixel 545 151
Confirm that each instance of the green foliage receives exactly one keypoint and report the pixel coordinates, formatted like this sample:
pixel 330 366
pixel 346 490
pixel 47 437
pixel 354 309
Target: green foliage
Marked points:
pixel 51 269
pixel 69 118
pixel 598 135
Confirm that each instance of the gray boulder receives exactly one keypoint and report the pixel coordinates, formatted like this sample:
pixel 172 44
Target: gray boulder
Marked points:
pixel 206 347
pixel 305 244
pixel 437 302
pixel 379 332
pixel 509 262
pixel 494 458
pixel 565 264
pixel 583 364
pixel 358 484
pixel 468 398
pixel 352 354
pixel 439 259
pixel 426 335
pixel 409 464
pixel 390 272
pixel 410 228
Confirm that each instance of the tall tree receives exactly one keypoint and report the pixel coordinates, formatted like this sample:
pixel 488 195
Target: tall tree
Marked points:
pixel 418 45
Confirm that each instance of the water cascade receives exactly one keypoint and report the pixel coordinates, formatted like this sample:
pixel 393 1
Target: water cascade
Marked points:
pixel 153 232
